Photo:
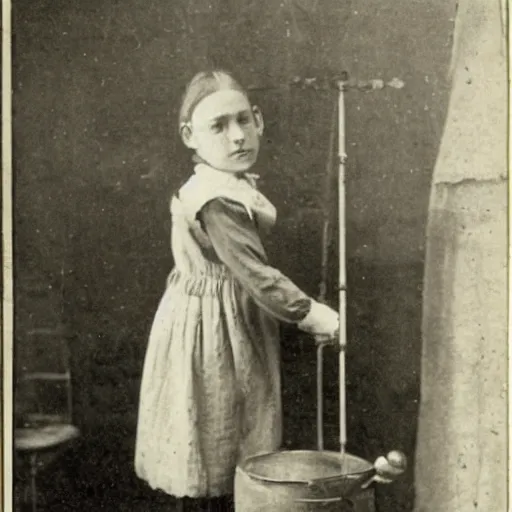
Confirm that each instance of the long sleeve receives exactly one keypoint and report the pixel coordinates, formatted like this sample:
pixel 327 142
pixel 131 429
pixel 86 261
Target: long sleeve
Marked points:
pixel 237 244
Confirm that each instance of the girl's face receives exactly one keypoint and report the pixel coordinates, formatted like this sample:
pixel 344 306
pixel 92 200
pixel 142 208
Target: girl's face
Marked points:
pixel 225 130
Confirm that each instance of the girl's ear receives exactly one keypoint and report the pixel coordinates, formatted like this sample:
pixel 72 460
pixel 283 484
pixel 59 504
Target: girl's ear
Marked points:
pixel 187 135
pixel 258 119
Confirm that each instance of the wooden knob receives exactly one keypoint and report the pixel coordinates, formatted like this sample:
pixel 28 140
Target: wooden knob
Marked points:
pixel 392 466
pixel 397 460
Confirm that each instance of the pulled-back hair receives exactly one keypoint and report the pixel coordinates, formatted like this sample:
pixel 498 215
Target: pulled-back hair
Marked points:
pixel 202 85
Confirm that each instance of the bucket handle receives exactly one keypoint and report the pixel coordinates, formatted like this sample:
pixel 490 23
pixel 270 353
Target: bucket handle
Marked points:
pixel 360 486
pixel 336 499
pixel 385 470
pixel 320 482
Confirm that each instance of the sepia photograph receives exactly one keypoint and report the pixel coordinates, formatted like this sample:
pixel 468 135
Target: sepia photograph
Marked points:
pixel 255 255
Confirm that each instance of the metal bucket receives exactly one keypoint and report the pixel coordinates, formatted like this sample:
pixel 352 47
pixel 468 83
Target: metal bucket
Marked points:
pixel 299 481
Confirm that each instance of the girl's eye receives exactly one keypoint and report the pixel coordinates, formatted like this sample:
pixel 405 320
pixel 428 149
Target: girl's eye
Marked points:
pixel 216 127
pixel 244 119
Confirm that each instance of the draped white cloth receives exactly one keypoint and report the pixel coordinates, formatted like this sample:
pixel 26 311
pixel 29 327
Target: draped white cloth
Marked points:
pixel 461 456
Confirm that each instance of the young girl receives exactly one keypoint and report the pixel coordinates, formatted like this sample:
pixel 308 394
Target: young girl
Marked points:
pixel 210 393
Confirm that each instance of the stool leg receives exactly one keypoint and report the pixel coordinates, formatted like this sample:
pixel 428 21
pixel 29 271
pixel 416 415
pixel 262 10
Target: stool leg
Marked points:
pixel 26 492
pixel 33 474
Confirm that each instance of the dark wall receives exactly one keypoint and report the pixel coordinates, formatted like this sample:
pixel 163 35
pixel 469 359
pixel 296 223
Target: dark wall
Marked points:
pixel 97 87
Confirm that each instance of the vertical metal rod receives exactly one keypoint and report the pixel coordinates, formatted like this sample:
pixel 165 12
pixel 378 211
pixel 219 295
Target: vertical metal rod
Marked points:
pixel 342 263
pixel 320 397
pixel 326 238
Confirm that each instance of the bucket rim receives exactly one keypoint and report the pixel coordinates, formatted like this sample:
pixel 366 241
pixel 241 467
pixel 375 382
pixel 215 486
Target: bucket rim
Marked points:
pixel 243 466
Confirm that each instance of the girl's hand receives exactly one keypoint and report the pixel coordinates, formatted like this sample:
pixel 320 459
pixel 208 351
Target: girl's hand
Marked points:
pixel 322 322
pixel 330 341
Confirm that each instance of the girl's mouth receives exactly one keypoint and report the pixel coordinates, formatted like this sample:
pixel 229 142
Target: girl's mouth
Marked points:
pixel 241 153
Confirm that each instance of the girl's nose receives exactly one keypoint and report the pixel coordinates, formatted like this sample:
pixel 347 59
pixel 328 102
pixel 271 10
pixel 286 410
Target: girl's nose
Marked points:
pixel 236 134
